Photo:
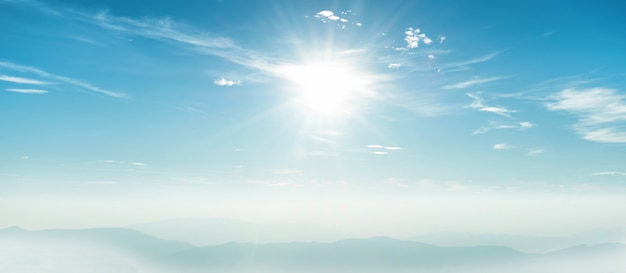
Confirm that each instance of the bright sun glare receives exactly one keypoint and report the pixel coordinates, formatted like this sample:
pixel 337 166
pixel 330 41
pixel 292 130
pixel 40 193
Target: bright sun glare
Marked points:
pixel 328 88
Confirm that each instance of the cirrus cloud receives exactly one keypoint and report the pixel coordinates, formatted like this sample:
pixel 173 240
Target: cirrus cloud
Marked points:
pixel 601 112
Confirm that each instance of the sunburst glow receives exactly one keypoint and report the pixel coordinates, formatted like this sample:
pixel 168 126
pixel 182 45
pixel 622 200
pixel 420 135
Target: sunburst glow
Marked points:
pixel 328 88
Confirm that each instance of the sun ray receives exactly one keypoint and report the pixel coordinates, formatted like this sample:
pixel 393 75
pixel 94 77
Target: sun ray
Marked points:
pixel 328 88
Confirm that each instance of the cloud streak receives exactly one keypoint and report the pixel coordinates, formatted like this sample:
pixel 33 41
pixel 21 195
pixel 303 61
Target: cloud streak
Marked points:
pixel 458 66
pixel 22 80
pixel 493 126
pixel 67 80
pixel 166 29
pixel 478 105
pixel 601 112
pixel 470 83
pixel 26 91
pixel 610 173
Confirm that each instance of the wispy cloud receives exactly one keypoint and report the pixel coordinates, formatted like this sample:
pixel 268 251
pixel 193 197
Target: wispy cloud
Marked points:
pixel 67 80
pixel 601 112
pixel 502 146
pixel 610 173
pixel 22 80
pixel 225 82
pixel 535 152
pixel 494 126
pixel 125 163
pixel 26 91
pixel 472 82
pixel 160 28
pixel 478 104
pixel 457 66
pixel 327 16
pixel 375 146
pixel 169 30
pixel 379 149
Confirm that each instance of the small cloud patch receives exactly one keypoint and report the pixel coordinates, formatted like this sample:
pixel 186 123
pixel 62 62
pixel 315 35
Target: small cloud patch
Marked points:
pixel 26 91
pixel 225 82
pixel 502 146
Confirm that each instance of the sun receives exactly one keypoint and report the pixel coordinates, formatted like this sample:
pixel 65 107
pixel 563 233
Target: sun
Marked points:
pixel 327 88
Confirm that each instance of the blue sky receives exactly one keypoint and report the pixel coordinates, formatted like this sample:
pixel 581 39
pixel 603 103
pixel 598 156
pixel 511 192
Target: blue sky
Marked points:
pixel 131 102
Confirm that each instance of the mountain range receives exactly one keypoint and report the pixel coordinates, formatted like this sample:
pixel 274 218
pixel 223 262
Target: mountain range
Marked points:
pixel 533 244
pixel 376 254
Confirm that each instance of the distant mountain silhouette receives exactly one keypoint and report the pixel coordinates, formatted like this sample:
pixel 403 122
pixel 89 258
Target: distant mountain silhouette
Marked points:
pixel 372 253
pixel 377 254
pixel 122 239
pixel 534 244
pixel 589 250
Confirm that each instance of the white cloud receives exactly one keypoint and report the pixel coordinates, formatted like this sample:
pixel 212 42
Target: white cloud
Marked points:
pixel 325 13
pixel 125 163
pixel 26 91
pixel 502 146
pixel 375 146
pixel 442 39
pixel 394 65
pixel 536 152
pixel 391 148
pixel 610 173
pixel 22 80
pixel 471 83
pixel 380 153
pixel 225 82
pixel 526 125
pixel 70 81
pixel 478 105
pixel 519 126
pixel 601 113
pixel 329 16
pixel 413 37
pixel 431 56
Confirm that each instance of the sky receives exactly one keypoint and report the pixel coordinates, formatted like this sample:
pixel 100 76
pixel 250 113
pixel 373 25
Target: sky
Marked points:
pixel 382 117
